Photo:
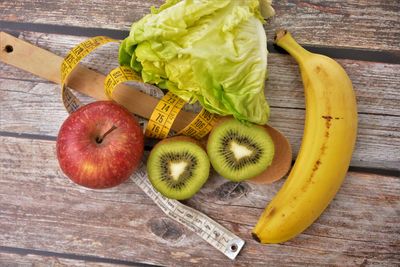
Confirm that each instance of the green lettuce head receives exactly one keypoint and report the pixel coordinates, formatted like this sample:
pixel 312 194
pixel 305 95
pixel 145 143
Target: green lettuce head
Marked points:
pixel 209 51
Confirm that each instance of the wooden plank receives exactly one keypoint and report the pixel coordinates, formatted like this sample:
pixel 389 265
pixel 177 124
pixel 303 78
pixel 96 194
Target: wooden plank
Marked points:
pixel 41 209
pixel 352 23
pixel 26 105
pixel 30 259
pixel 30 58
pixel 376 84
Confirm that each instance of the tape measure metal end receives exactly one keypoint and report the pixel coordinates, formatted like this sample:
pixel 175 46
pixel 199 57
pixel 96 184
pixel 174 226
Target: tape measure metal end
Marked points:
pixel 234 247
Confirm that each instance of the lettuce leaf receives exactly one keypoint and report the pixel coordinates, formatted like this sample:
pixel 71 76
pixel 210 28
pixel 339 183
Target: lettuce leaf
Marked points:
pixel 209 51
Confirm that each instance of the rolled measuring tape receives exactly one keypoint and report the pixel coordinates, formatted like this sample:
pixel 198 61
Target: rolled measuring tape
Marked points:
pixel 165 112
pixel 161 119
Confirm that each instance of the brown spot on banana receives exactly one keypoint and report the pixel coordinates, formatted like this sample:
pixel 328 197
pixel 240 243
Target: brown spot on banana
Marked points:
pixel 327 117
pixel 255 237
pixel 320 71
pixel 270 212
pixel 318 162
pixel 316 165
pixel 328 124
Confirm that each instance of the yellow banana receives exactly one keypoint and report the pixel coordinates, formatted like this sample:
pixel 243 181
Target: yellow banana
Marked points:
pixel 329 136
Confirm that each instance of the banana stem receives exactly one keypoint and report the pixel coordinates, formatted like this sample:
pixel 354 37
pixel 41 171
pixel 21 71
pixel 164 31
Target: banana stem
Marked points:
pixel 284 39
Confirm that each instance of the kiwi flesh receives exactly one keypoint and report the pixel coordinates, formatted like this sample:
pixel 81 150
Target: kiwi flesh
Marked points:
pixel 178 167
pixel 239 151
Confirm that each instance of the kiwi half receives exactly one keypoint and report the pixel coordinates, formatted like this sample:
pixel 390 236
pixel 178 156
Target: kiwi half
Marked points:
pixel 239 151
pixel 178 167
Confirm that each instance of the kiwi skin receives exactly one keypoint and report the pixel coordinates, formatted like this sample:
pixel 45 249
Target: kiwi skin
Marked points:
pixel 217 161
pixel 179 138
pixel 165 190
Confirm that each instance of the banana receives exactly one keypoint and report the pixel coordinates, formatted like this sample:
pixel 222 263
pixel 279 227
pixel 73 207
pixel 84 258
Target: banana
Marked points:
pixel 330 132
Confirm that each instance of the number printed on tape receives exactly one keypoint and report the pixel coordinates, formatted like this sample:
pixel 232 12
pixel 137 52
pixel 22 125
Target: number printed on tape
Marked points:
pixel 209 230
pixel 163 116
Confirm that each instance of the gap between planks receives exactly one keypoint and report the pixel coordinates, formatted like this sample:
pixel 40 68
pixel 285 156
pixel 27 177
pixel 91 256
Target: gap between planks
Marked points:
pixel 362 24
pixel 353 53
pixel 49 256
pixel 374 146
pixel 149 144
pixel 359 224
pixel 375 85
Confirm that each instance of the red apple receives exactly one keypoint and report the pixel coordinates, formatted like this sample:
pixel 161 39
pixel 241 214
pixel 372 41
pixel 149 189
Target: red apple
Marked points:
pixel 100 145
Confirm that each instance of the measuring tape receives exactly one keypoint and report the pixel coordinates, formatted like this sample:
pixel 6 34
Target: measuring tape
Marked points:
pixel 163 116
pixel 75 55
pixel 208 229
pixel 160 122
pixel 161 119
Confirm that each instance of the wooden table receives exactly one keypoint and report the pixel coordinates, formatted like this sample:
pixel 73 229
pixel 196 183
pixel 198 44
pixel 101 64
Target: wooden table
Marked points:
pixel 47 220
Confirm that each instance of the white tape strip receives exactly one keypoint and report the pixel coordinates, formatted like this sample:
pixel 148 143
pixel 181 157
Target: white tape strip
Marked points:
pixel 209 230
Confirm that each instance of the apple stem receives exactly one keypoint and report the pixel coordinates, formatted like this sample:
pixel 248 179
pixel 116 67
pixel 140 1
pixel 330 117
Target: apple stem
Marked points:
pixel 100 139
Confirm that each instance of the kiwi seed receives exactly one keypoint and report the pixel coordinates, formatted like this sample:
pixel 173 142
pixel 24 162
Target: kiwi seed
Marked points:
pixel 239 151
pixel 178 167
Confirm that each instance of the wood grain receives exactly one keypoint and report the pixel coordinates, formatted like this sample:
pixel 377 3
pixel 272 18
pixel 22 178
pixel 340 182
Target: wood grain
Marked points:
pixel 376 84
pixel 28 57
pixel 374 148
pixel 353 23
pixel 336 23
pixel 41 209
pixel 25 259
pixel 53 222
